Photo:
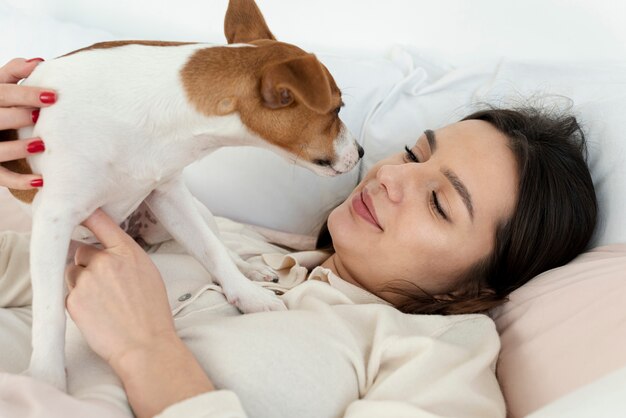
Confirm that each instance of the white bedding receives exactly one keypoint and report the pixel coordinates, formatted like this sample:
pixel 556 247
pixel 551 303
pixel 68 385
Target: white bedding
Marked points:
pixel 396 92
pixel 338 351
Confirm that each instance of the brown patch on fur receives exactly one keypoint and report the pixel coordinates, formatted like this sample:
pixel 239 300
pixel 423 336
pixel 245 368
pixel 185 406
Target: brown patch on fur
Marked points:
pixel 305 126
pixel 244 23
pixel 117 44
pixel 18 166
pixel 302 77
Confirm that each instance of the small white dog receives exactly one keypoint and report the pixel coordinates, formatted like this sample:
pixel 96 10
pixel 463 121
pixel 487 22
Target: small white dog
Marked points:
pixel 131 115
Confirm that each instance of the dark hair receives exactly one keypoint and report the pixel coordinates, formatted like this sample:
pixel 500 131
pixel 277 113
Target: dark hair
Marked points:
pixel 552 222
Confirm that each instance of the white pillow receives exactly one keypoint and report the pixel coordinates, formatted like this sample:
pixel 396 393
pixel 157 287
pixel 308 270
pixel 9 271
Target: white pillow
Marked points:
pixel 459 31
pixel 36 35
pixel 596 94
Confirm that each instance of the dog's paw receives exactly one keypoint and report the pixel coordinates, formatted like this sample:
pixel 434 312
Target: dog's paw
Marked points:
pixel 253 298
pixel 257 272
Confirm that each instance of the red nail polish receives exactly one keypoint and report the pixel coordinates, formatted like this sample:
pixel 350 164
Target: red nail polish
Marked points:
pixel 35 115
pixel 37 183
pixel 35 59
pixel 36 146
pixel 48 97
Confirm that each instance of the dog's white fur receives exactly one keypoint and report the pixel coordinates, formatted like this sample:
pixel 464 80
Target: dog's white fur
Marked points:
pixel 130 146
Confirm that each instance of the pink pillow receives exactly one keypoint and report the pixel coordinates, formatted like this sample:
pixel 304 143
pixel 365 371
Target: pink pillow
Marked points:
pixel 563 330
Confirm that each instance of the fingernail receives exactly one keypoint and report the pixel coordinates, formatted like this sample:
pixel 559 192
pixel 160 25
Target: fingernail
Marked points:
pixel 36 146
pixel 35 115
pixel 35 59
pixel 48 97
pixel 37 183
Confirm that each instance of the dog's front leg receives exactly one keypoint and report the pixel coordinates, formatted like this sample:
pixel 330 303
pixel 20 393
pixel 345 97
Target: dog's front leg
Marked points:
pixel 254 272
pixel 143 226
pixel 173 205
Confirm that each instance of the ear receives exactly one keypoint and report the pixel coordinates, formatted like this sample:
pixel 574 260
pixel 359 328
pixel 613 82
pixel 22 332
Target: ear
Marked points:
pixel 226 106
pixel 244 23
pixel 302 79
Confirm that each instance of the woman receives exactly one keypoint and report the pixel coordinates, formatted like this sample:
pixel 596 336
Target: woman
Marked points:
pixel 450 225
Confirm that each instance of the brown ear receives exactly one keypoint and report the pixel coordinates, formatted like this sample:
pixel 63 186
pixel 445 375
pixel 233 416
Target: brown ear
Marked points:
pixel 302 79
pixel 244 23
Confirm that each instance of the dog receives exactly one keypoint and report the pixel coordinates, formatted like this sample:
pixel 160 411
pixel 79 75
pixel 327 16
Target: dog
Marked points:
pixel 131 115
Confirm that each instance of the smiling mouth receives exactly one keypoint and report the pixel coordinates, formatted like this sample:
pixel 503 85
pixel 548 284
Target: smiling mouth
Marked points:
pixel 363 210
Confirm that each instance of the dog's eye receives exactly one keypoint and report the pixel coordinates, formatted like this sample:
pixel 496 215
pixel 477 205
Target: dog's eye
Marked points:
pixel 338 109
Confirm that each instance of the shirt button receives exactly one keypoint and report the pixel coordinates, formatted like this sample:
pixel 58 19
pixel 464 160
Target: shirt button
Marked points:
pixel 184 297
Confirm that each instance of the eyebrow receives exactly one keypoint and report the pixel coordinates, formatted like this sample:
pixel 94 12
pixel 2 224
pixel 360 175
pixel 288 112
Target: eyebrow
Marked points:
pixel 432 142
pixel 456 182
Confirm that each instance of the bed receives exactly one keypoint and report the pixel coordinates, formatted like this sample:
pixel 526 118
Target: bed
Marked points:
pixel 405 66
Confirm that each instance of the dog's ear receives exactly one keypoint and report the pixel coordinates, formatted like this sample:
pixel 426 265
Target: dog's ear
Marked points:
pixel 301 79
pixel 244 23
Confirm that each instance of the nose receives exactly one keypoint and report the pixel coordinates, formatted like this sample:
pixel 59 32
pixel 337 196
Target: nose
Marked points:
pixel 390 177
pixel 360 150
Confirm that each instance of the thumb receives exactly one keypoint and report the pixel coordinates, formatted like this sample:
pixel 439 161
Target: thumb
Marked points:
pixel 17 69
pixel 106 230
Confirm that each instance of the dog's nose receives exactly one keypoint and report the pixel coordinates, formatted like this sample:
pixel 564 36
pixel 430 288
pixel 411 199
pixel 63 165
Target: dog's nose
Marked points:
pixel 361 151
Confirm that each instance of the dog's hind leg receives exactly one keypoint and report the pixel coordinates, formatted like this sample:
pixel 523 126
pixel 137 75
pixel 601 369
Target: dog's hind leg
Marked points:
pixel 53 222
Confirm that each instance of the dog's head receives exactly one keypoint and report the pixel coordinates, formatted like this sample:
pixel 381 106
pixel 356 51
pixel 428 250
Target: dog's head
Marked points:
pixel 296 102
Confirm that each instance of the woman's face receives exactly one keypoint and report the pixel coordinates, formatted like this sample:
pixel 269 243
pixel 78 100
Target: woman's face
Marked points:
pixel 427 215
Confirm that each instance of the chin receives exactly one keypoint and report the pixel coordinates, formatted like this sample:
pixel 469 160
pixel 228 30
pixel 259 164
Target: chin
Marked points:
pixel 341 226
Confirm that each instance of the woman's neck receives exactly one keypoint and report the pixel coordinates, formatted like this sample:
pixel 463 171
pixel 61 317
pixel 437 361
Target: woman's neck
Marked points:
pixel 334 264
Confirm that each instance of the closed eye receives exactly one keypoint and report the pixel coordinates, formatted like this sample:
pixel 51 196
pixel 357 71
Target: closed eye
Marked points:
pixel 434 201
pixel 410 155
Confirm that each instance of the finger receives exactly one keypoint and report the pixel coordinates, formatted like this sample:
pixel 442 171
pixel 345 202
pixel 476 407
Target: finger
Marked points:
pixel 19 181
pixel 107 231
pixel 16 149
pixel 25 96
pixel 17 69
pixel 72 275
pixel 17 117
pixel 84 254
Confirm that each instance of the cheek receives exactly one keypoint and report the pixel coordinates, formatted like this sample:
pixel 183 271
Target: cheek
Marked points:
pixel 415 244
pixel 354 240
pixel 341 225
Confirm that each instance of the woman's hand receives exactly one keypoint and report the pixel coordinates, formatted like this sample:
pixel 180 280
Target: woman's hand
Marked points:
pixel 19 107
pixel 118 301
pixel 116 295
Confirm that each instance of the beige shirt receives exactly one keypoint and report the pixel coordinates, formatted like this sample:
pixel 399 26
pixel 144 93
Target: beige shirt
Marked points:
pixel 338 351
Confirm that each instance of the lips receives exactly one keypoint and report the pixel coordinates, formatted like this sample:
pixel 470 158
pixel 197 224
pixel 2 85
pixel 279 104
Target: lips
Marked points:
pixel 364 207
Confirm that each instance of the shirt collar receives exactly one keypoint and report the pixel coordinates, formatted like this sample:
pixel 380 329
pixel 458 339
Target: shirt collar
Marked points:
pixel 357 294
